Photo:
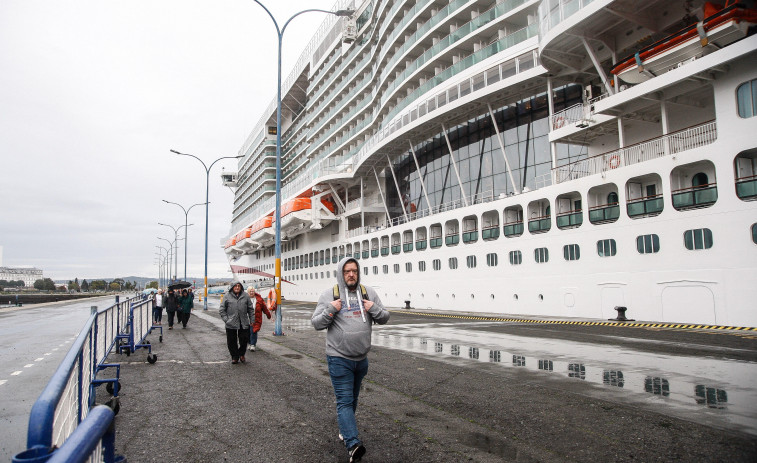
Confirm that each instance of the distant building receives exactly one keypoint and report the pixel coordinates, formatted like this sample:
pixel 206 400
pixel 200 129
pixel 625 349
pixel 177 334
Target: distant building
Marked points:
pixel 27 275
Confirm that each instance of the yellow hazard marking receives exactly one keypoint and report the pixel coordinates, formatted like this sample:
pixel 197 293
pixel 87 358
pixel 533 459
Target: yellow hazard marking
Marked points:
pixel 585 323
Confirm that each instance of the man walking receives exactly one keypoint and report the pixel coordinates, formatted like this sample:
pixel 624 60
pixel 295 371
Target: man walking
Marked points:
pixel 348 311
pixel 237 312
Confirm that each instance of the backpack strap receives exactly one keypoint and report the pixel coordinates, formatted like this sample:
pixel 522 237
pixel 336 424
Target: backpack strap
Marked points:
pixel 336 292
pixel 364 292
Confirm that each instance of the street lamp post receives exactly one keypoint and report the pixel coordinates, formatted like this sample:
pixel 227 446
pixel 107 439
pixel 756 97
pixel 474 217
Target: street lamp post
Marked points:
pixel 207 201
pixel 176 241
pixel 280 35
pixel 170 255
pixel 186 217
pixel 161 277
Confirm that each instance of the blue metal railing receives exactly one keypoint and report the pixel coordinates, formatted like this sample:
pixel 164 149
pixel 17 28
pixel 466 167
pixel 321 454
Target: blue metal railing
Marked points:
pixel 64 408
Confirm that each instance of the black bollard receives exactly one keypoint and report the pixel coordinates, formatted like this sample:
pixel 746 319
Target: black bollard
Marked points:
pixel 407 305
pixel 621 314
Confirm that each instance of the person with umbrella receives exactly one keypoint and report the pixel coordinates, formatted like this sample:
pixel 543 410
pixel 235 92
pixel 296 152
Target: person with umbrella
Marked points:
pixel 171 303
pixel 185 307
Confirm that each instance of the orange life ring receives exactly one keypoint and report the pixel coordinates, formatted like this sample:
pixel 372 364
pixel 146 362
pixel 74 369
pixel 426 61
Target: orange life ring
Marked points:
pixel 271 302
pixel 559 122
pixel 614 161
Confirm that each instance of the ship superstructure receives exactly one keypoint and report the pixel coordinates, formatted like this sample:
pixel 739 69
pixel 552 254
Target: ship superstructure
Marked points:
pixel 543 157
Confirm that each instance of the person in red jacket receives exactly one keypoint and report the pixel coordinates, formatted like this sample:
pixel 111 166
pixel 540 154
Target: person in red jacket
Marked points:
pixel 260 309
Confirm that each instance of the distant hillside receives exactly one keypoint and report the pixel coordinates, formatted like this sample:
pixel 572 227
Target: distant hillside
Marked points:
pixel 142 281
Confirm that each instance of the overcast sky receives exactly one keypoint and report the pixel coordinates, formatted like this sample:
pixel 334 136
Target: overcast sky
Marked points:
pixel 94 94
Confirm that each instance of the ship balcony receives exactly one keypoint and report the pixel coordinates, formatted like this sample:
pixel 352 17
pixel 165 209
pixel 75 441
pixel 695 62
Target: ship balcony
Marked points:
pixel 746 188
pixel 570 219
pixel 513 229
pixel 604 213
pixel 695 197
pixel 539 224
pixel 645 206
pixel 490 233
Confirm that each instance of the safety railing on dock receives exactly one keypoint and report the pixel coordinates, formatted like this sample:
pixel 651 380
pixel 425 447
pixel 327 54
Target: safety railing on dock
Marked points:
pixel 63 409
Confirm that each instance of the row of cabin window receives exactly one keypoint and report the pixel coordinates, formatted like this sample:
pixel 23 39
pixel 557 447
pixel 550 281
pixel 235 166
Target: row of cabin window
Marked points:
pixel 697 239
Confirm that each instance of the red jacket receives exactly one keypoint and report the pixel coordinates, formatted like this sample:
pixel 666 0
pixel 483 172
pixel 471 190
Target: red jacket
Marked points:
pixel 260 307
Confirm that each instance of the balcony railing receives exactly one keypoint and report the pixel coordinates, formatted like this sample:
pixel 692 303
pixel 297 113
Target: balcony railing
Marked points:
pixel 570 219
pixel 666 145
pixel 539 224
pixel 648 205
pixel 513 228
pixel 746 187
pixel 695 197
pixel 604 213
pixel 490 233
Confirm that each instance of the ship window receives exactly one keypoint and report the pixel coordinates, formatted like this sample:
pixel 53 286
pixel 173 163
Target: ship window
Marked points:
pixel 385 269
pixel 437 264
pixel 571 252
pixel 365 270
pixel 700 238
pixel 408 267
pixel 491 259
pixel 746 97
pixel 541 255
pixel 754 233
pixel 453 263
pixel 375 269
pixel 516 258
pixel 470 261
pixel 396 243
pixel 648 244
pixel 396 268
pixel 421 266
pixel 606 248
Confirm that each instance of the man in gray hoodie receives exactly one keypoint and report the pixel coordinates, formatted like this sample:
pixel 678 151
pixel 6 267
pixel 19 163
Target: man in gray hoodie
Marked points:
pixel 348 310
pixel 237 311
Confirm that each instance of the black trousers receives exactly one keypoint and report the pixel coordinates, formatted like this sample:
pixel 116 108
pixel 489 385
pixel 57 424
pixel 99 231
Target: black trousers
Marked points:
pixel 183 318
pixel 170 317
pixel 237 341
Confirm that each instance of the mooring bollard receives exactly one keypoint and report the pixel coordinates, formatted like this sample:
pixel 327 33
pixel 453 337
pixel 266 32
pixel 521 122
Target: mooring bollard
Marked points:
pixel 621 314
pixel 407 305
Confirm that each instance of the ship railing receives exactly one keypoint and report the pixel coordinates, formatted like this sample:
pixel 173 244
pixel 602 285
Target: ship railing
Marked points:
pixel 553 12
pixel 666 145
pixel 65 404
pixel 568 116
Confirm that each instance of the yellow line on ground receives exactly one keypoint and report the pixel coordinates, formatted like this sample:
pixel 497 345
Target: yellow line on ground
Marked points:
pixel 585 323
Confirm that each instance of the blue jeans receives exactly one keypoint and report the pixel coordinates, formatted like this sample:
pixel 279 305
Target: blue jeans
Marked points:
pixel 346 377
pixel 253 337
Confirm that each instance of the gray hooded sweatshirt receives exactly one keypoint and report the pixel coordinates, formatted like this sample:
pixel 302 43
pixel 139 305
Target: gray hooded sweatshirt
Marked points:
pixel 237 311
pixel 349 329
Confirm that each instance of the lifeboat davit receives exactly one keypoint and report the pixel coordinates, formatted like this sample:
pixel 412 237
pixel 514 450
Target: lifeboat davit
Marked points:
pixel 720 27
pixel 244 242
pixel 297 215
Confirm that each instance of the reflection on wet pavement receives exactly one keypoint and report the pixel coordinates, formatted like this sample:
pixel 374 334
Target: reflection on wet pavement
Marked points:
pixel 720 392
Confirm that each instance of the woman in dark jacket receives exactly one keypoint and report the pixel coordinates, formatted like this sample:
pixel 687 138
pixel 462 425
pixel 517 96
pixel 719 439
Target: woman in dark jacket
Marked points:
pixel 237 312
pixel 171 303
pixel 185 307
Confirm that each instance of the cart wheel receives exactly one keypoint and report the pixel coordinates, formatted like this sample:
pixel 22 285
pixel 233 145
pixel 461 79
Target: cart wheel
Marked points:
pixel 109 387
pixel 114 405
pixel 151 359
pixel 147 341
pixel 161 338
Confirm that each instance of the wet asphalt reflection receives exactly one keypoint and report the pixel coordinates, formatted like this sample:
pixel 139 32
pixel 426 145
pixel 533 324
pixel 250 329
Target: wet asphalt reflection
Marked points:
pixel 719 392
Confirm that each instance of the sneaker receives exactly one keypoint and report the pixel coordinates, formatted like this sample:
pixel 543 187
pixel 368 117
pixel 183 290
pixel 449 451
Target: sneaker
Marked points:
pixel 341 437
pixel 252 347
pixel 242 359
pixel 170 327
pixel 356 452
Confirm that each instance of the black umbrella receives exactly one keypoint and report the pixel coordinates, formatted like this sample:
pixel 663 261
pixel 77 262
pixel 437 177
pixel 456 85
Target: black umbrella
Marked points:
pixel 180 285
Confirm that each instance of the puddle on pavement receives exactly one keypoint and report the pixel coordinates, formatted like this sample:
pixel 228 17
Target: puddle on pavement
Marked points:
pixel 720 392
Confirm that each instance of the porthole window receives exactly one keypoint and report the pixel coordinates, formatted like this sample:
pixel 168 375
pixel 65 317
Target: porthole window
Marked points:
pixel 571 252
pixel 437 264
pixel 422 266
pixel 408 267
pixel 516 258
pixel 470 261
pixel 541 255
pixel 648 244
pixel 385 269
pixel 746 97
pixel 700 238
pixel 491 259
pixel 396 268
pixel 453 263
pixel 375 269
pixel 606 248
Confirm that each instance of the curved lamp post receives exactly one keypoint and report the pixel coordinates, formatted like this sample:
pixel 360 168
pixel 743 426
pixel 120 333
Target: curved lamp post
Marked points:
pixel 280 34
pixel 186 217
pixel 170 255
pixel 207 201
pixel 176 242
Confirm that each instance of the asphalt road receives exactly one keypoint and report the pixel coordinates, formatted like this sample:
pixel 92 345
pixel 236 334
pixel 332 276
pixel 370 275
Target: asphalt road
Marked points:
pixel 445 389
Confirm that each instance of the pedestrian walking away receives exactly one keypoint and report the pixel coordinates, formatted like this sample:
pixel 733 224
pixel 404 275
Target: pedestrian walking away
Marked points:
pixel 237 312
pixel 185 307
pixel 157 311
pixel 260 309
pixel 172 305
pixel 347 311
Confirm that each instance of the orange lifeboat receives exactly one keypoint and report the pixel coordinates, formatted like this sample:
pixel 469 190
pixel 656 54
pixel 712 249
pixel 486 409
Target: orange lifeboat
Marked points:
pixel 261 229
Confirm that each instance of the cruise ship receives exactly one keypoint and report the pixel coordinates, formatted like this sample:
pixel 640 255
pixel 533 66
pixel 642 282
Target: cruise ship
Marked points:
pixel 544 158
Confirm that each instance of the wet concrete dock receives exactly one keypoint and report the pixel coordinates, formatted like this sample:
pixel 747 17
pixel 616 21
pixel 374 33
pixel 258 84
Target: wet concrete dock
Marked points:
pixel 446 389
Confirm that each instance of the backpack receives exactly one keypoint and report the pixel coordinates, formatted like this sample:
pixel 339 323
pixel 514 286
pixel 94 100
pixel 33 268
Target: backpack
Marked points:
pixel 362 291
